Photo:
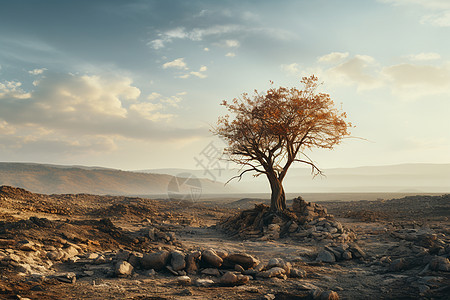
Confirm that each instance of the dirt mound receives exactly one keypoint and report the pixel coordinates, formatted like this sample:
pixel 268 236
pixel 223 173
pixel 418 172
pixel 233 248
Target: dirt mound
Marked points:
pixel 304 220
pixel 423 208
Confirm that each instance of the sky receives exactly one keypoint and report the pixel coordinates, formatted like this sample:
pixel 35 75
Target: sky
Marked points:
pixel 138 84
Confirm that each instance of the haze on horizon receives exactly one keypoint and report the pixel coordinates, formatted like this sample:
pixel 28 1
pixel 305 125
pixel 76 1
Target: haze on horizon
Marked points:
pixel 137 84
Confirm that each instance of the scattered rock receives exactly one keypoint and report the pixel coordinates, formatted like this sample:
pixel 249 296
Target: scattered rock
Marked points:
pixel 325 256
pixel 184 280
pixel 210 256
pixel 177 260
pixel 123 268
pixel 229 278
pixel 243 259
pixel 203 282
pixel 156 261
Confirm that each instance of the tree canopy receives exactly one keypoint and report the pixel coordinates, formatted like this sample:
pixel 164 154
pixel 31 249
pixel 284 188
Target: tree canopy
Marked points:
pixel 269 131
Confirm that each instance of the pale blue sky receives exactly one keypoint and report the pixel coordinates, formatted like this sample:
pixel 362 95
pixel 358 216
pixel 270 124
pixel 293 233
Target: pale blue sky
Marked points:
pixel 136 84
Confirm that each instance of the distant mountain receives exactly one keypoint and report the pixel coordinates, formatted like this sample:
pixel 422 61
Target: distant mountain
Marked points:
pixel 414 178
pixel 57 179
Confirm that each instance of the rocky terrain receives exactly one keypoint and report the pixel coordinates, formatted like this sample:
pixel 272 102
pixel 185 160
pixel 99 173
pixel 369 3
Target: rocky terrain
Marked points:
pixel 80 246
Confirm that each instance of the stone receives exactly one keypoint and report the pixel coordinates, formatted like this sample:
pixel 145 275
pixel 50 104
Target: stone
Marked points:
pixel 357 252
pixel 71 251
pixel 279 262
pixel 325 256
pixel 156 260
pixel 184 280
pixel 329 295
pixel 203 282
pixel 440 263
pixel 28 246
pixel 297 273
pixel 243 259
pixel 347 255
pixel 272 272
pixel 229 278
pixel 68 277
pixel 211 272
pixel 192 262
pixel 238 268
pixel 122 255
pixel 135 259
pixel 123 268
pixel 397 265
pixel 177 260
pixel 210 256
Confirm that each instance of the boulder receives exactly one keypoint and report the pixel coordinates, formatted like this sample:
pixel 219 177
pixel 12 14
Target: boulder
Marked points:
pixel 192 262
pixel 273 272
pixel 177 260
pixel 183 280
pixel 123 268
pixel 231 279
pixel 329 295
pixel 243 259
pixel 440 263
pixel 203 282
pixel 326 256
pixel 297 273
pixel 156 260
pixel 210 257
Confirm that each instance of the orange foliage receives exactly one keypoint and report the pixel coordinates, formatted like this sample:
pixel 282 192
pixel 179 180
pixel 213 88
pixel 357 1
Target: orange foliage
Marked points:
pixel 271 130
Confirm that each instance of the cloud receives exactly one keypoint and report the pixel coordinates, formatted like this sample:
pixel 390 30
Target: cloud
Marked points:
pixel 37 71
pixel 232 43
pixel 206 49
pixel 196 34
pixel 293 68
pixel 424 56
pixel 412 81
pixel 360 69
pixel 77 107
pixel 176 64
pixel 408 81
pixel 230 54
pixel 200 73
pixel 434 12
pixel 333 57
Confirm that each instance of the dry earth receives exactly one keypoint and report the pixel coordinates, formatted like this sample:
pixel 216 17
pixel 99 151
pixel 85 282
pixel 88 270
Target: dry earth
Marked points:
pixel 103 247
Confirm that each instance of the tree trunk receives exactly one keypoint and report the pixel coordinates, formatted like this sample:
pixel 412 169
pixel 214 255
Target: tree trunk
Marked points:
pixel 278 198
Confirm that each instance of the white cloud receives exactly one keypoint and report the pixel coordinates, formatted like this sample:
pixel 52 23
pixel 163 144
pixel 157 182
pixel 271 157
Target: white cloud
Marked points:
pixel 425 56
pixel 414 81
pixel 196 34
pixel 408 81
pixel 176 64
pixel 292 69
pixel 37 71
pixel 153 96
pixel 435 12
pixel 74 107
pixel 333 57
pixel 441 19
pixel 150 111
pixel 198 74
pixel 232 43
pixel 230 54
pixel 206 49
pixel 361 70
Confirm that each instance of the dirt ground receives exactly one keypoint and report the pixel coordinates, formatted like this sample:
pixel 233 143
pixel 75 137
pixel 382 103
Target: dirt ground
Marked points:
pixel 401 238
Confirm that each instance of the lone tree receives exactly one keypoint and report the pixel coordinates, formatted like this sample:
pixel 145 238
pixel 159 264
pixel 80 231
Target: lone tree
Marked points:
pixel 271 130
